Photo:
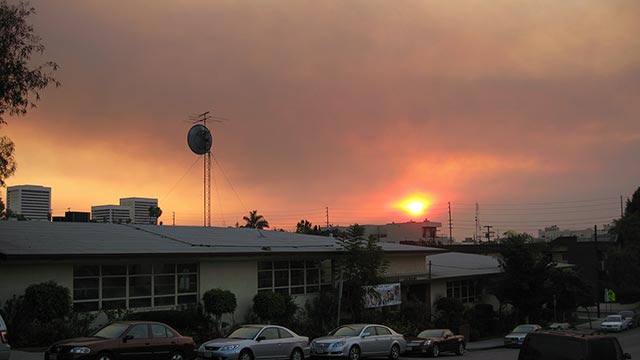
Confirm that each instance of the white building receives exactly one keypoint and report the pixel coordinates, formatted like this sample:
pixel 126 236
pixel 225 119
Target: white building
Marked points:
pixel 553 232
pixel 417 232
pixel 139 209
pixel 114 214
pixel 31 201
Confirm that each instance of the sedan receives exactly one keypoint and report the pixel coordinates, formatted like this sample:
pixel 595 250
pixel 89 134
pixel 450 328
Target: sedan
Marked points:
pixel 614 323
pixel 519 333
pixel 360 340
pixel 435 341
pixel 139 340
pixel 253 342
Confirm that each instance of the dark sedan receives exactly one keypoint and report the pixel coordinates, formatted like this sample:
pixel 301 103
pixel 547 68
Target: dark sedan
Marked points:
pixel 135 340
pixel 434 341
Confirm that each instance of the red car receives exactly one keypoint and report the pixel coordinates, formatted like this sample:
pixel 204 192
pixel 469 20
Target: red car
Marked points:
pixel 434 341
pixel 135 340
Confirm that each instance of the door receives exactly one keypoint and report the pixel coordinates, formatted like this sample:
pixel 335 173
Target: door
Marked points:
pixel 163 342
pixel 136 343
pixel 368 340
pixel 451 343
pixel 269 344
pixel 383 341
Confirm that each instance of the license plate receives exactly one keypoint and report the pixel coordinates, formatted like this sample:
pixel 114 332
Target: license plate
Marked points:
pixel 207 355
pixel 53 356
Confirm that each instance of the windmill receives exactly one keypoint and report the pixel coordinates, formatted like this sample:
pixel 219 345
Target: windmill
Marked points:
pixel 199 139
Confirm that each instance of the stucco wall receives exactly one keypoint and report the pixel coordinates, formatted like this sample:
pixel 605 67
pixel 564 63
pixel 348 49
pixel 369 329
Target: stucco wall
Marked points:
pixel 406 264
pixel 17 277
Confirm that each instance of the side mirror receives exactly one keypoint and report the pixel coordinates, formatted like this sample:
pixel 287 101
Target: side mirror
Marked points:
pixel 260 338
pixel 127 338
pixel 446 336
pixel 364 335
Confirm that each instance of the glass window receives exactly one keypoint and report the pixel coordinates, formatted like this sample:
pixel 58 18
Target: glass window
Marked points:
pixel 164 268
pixel 265 279
pixel 111 331
pixel 297 277
pixel 313 277
pixel 278 265
pixel 140 303
pixel 382 331
pixel 85 289
pixel 115 287
pixel 187 299
pixel 110 270
pixel 86 270
pixel 187 283
pixel 114 304
pixel 164 300
pixel 86 306
pixel 140 286
pixel 297 264
pixel 164 284
pixel 284 333
pixel 140 331
pixel 265 265
pixel 158 331
pixel 270 333
pixel 140 269
pixel 282 278
pixel 187 268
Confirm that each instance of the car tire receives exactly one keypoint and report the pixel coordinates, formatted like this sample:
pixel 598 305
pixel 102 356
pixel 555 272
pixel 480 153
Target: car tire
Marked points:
pixel 176 355
pixel 394 354
pixel 460 348
pixel 104 356
pixel 297 354
pixel 245 355
pixel 354 353
pixel 435 352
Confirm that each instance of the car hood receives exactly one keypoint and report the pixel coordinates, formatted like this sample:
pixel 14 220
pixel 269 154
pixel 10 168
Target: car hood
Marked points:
pixel 330 339
pixel 82 341
pixel 518 334
pixel 227 341
pixel 611 322
pixel 416 339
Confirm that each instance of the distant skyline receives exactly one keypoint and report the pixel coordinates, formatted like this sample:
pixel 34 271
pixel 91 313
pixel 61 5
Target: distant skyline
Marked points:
pixel 528 108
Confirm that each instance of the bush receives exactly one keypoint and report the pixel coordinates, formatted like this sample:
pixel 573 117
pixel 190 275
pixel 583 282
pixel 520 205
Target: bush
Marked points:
pixel 274 307
pixel 449 313
pixel 47 301
pixel 319 316
pixel 218 302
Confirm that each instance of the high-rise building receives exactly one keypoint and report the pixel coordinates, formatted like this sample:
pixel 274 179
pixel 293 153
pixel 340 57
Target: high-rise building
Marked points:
pixel 31 201
pixel 139 208
pixel 115 214
pixel 73 216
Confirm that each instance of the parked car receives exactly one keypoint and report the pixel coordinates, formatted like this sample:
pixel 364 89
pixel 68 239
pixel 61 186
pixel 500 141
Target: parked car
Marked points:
pixel 359 340
pixel 254 342
pixel 570 345
pixel 5 349
pixel 519 333
pixel 561 326
pixel 630 315
pixel 614 323
pixel 139 340
pixel 435 341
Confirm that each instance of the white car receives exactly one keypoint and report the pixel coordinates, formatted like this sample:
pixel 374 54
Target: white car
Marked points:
pixel 615 323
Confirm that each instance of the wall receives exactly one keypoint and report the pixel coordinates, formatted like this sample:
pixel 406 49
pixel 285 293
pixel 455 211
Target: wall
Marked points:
pixel 17 277
pixel 406 264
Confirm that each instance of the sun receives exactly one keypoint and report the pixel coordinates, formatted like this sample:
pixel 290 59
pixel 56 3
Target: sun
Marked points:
pixel 414 205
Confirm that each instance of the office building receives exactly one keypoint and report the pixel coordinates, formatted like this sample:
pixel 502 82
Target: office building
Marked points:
pixel 114 214
pixel 31 201
pixel 139 209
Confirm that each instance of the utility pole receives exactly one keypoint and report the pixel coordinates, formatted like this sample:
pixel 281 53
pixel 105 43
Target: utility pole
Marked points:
pixel 450 226
pixel 595 240
pixel 489 233
pixel 327 212
pixel 621 208
pixel 475 236
pixel 173 217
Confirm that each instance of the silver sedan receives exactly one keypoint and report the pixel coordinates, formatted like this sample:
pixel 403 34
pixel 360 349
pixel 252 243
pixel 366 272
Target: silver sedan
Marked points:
pixel 360 340
pixel 255 342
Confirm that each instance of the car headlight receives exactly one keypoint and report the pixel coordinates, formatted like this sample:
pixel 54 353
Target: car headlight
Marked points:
pixel 201 348
pixel 338 343
pixel 80 350
pixel 229 347
pixel 426 342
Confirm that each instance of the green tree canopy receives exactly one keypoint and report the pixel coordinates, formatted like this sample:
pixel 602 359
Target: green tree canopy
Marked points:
pixel 20 83
pixel 218 302
pixel 255 221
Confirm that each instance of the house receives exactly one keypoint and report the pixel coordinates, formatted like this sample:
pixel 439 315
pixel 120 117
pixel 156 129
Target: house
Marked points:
pixel 147 267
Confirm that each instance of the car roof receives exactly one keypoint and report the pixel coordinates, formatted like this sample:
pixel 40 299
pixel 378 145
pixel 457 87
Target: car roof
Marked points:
pixel 577 334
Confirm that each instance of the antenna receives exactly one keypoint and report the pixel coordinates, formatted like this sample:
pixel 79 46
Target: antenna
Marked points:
pixel 199 139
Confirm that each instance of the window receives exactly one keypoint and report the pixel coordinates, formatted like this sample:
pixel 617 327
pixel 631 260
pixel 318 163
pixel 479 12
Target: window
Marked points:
pixel 139 331
pixel 467 291
pixel 131 286
pixel 158 331
pixel 284 334
pixel 293 277
pixel 382 331
pixel 270 333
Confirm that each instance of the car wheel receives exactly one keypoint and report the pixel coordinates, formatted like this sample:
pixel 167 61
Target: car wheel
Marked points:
pixel 354 353
pixel 460 348
pixel 245 355
pixel 104 356
pixel 176 355
pixel 395 352
pixel 297 354
pixel 436 350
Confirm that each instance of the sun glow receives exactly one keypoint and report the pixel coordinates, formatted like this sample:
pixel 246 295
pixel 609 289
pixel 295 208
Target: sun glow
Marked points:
pixel 415 205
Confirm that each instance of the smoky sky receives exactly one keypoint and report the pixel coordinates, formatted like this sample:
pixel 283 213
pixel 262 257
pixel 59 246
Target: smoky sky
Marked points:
pixel 339 104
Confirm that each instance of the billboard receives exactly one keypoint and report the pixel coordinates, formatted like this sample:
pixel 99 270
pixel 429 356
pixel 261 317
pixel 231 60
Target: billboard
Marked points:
pixel 382 295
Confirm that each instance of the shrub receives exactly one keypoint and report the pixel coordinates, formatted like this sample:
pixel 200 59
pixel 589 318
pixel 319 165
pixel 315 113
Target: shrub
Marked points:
pixel 449 313
pixel 47 301
pixel 218 302
pixel 274 307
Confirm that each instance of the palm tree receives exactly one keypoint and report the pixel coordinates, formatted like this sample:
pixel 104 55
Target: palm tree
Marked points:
pixel 255 221
pixel 155 212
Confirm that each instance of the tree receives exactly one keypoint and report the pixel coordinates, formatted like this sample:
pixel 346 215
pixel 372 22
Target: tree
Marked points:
pixel 19 83
pixel 363 265
pixel 255 221
pixel 218 302
pixel 274 307
pixel 525 274
pixel 155 212
pixel 306 227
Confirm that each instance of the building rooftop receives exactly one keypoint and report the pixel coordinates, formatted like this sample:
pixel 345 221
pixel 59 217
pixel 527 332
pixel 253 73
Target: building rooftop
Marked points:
pixel 23 240
pixel 456 264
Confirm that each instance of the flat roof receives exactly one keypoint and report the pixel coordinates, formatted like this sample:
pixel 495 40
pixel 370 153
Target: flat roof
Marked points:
pixel 457 264
pixel 31 239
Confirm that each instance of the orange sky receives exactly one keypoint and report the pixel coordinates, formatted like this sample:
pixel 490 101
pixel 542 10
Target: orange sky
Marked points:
pixel 348 105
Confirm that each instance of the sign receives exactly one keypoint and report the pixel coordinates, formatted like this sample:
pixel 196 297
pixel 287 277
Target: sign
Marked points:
pixel 382 295
pixel 609 295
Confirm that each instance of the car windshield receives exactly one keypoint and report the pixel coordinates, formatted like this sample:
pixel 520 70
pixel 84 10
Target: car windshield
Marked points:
pixel 245 332
pixel 613 318
pixel 111 331
pixel 523 329
pixel 431 334
pixel 347 330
